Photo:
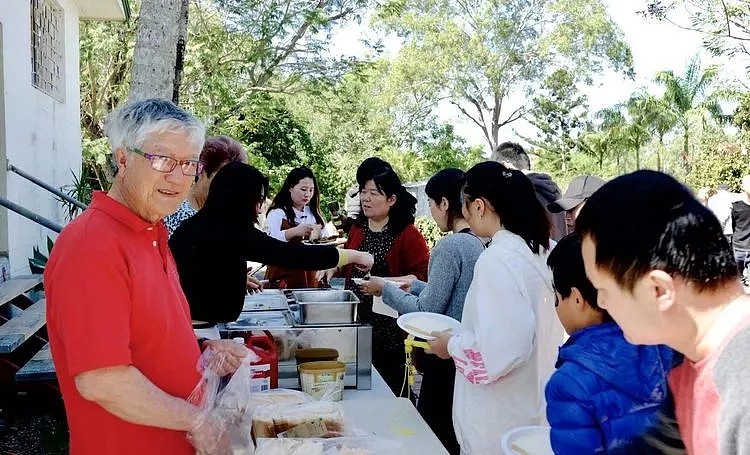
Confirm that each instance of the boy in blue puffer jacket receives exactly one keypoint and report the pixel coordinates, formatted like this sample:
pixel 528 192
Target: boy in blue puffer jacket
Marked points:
pixel 606 392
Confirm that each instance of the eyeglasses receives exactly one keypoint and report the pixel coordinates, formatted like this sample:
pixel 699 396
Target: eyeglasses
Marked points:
pixel 167 164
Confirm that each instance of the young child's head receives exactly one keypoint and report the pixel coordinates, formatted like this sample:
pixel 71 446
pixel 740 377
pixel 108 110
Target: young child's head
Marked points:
pixel 575 296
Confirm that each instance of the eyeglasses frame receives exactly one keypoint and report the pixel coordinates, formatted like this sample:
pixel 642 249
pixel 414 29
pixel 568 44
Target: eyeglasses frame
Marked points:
pixel 151 156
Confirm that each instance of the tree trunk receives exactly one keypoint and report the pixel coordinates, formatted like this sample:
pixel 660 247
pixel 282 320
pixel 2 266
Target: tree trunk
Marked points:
pixel 659 152
pixel 685 151
pixel 155 51
pixel 619 169
pixel 181 46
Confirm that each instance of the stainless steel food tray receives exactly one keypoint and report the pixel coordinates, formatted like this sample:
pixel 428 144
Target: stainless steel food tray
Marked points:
pixel 261 320
pixel 269 299
pixel 326 307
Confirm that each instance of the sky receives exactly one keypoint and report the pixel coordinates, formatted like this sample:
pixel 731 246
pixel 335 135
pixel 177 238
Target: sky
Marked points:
pixel 655 46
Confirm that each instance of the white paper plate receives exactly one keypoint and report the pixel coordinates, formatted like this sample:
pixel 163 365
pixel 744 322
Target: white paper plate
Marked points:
pixel 421 323
pixel 359 281
pixel 532 440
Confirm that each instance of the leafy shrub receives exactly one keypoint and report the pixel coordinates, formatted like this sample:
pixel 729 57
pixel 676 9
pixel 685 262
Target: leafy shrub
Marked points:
pixel 429 229
pixel 725 163
pixel 38 262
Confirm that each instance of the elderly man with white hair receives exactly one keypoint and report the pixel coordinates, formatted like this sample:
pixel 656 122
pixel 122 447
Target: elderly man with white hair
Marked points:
pixel 119 325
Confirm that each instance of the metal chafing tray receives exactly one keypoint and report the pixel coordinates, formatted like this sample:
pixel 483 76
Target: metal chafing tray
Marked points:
pixel 269 299
pixel 260 320
pixel 325 307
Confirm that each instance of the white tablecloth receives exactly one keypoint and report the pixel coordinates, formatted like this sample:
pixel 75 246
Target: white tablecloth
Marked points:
pixel 378 412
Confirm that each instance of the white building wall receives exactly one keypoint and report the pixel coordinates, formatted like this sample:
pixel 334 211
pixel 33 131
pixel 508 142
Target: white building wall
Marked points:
pixel 42 135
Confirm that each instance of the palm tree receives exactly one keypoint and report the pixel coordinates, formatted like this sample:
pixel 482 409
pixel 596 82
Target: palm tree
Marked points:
pixel 598 145
pixel 689 93
pixel 615 132
pixel 655 115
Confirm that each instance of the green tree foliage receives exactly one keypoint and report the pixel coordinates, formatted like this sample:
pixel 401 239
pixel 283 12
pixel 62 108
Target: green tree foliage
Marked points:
pixel 725 24
pixel 270 131
pixel 560 113
pixel 720 161
pixel 478 54
pixel 655 116
pixel 283 42
pixel 741 118
pixel 441 148
pixel 352 119
pixel 106 56
pixel 429 229
pixel 690 94
pixel 614 127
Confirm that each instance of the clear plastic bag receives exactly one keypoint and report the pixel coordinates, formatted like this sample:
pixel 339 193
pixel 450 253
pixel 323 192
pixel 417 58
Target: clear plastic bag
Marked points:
pixel 349 445
pixel 225 409
pixel 278 397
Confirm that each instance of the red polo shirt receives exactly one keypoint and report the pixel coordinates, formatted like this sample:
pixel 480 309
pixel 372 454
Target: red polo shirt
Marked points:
pixel 114 298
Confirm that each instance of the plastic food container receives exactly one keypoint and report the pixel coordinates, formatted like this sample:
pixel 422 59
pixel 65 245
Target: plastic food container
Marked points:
pixel 323 379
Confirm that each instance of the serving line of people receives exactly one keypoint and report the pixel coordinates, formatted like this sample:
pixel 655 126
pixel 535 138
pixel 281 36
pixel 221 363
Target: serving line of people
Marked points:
pixel 126 355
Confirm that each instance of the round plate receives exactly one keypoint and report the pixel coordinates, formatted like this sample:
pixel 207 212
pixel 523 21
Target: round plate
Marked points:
pixel 421 324
pixel 530 439
pixel 359 281
pixel 329 241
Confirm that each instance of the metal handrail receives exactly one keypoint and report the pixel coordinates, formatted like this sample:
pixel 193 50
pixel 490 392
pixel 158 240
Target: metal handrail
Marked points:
pixel 46 186
pixel 39 219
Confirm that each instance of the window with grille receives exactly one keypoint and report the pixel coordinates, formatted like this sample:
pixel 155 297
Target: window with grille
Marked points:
pixel 47 33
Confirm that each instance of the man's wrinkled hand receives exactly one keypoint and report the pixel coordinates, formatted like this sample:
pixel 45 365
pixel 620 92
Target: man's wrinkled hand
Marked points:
pixel 228 355
pixel 209 437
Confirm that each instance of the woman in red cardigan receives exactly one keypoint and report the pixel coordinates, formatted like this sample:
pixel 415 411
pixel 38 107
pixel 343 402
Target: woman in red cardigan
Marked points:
pixel 385 228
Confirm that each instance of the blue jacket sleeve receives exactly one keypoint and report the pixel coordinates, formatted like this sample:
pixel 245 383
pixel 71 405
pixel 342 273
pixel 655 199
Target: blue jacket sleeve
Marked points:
pixel 570 413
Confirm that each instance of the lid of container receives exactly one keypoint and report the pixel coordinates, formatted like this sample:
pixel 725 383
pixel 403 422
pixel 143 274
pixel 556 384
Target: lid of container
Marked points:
pixel 311 354
pixel 327 365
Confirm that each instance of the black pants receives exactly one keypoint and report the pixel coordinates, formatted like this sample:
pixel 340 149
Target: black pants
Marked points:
pixel 435 403
pixel 742 257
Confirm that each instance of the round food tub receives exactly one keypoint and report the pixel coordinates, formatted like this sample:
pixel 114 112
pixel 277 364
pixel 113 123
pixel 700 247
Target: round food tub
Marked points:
pixel 324 379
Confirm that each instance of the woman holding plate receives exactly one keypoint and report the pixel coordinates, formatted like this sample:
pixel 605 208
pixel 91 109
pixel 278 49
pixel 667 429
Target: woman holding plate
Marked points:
pixel 295 216
pixel 449 275
pixel 506 347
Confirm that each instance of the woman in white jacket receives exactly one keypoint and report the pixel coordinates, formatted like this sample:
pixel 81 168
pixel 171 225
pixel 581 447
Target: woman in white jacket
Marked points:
pixel 506 347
